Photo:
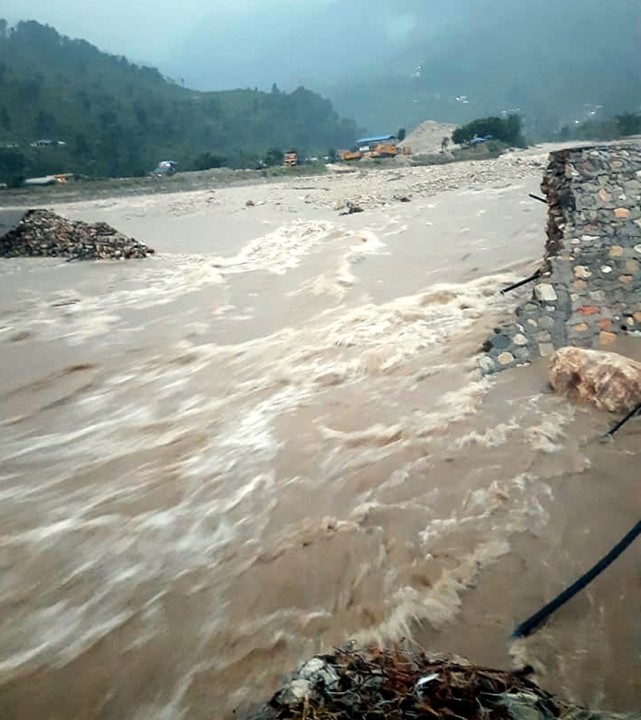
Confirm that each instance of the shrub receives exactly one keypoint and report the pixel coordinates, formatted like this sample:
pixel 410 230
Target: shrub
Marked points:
pixel 507 130
pixel 273 157
pixel 207 161
pixel 629 124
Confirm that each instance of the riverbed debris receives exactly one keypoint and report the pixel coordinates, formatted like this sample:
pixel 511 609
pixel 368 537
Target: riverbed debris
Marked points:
pixel 406 683
pixel 351 208
pixel 43 233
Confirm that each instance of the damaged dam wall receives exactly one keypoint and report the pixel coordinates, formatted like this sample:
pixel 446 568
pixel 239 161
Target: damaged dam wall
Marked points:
pixel 589 288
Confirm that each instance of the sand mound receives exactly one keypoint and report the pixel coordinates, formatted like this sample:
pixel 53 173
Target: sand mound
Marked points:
pixel 428 136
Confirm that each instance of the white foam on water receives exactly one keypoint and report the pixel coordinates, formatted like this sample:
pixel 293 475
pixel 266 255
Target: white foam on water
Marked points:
pixel 280 250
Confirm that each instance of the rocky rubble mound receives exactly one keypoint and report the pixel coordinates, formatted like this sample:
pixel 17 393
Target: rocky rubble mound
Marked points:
pixel 45 234
pixel 404 684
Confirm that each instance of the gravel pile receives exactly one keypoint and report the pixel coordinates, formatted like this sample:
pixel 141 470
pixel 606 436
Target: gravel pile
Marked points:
pixel 45 234
pixel 408 684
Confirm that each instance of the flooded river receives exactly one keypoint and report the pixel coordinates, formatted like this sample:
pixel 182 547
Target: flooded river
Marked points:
pixel 271 437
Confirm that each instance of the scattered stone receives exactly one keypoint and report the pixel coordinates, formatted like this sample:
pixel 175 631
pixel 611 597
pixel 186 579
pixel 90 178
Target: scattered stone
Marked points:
pixel 626 279
pixel 616 251
pixel 607 338
pixel 506 358
pixel 632 266
pixel 580 328
pixel 545 293
pixel 588 310
pixel 520 340
pixel 605 325
pixel 582 273
pixel 606 269
pixel 499 341
pixel 250 203
pixel 546 349
pixel 605 379
pixel 604 195
pixel 622 213
pixel 42 233
pixel 351 208
pixel 486 364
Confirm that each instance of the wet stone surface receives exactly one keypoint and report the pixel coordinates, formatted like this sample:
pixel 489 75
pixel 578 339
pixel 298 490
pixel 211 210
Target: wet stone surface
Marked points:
pixel 589 289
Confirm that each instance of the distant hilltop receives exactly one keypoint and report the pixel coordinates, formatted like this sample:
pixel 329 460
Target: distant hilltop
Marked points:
pixel 67 107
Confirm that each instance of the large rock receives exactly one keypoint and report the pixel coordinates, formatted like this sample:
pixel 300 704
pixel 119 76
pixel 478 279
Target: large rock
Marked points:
pixel 604 379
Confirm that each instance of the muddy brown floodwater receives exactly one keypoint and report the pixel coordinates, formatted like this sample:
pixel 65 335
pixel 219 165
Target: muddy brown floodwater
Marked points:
pixel 271 437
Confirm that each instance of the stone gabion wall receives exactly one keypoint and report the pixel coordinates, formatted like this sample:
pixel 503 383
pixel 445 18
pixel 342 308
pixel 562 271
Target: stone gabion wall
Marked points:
pixel 590 284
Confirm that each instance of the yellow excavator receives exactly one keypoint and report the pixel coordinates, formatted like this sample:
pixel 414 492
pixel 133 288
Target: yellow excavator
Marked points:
pixel 349 155
pixel 382 146
pixel 384 150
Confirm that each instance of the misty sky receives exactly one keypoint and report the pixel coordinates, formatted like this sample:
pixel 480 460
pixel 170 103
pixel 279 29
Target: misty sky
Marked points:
pixel 216 44
pixel 551 57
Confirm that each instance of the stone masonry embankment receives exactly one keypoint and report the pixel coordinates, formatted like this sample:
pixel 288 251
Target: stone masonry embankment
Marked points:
pixel 589 289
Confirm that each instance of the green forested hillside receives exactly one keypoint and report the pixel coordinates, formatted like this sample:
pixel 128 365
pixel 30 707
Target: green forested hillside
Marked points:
pixel 118 118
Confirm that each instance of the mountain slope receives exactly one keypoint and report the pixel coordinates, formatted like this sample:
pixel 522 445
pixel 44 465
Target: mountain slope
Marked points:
pixel 118 118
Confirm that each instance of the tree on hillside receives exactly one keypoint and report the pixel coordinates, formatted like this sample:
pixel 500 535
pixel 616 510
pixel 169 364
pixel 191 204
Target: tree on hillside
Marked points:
pixel 629 124
pixel 401 135
pixel 12 166
pixel 208 161
pixel 506 130
pixel 81 146
pixel 119 117
pixel 45 124
pixel 5 119
pixel 274 156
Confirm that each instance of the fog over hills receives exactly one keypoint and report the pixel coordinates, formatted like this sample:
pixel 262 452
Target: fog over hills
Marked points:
pixel 384 62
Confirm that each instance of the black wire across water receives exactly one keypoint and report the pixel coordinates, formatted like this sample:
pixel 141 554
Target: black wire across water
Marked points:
pixel 533 623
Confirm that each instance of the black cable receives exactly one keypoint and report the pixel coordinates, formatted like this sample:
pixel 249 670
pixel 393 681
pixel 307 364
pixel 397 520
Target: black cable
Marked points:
pixel 531 624
pixel 520 283
pixel 635 411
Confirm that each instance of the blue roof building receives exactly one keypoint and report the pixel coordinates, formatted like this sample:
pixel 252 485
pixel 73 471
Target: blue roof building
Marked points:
pixel 375 140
